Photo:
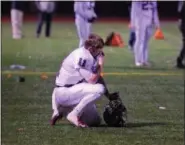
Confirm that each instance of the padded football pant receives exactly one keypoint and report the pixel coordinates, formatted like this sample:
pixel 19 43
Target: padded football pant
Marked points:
pixel 16 21
pixel 83 29
pixel 81 98
pixel 143 34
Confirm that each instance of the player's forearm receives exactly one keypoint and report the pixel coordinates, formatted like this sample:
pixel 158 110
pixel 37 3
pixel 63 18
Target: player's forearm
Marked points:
pixel 96 72
pixel 101 81
pixel 101 60
pixel 94 78
pixel 101 63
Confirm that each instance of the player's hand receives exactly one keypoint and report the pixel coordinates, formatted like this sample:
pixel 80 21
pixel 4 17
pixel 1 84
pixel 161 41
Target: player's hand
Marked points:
pixel 91 16
pixel 91 20
pixel 101 60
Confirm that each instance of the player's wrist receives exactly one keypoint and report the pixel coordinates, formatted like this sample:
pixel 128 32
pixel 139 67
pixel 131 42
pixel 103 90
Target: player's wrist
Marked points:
pixel 107 94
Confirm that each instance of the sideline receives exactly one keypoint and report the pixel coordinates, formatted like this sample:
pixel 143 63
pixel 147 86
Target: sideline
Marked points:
pixel 105 74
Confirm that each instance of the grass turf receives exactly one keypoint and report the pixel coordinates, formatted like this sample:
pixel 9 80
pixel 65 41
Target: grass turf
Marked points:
pixel 26 107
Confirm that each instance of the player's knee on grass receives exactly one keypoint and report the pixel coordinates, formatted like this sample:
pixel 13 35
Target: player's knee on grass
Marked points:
pixel 90 116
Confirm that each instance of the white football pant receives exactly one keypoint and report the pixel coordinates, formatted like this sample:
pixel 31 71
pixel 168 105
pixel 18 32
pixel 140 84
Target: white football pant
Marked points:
pixel 143 34
pixel 78 99
pixel 17 22
pixel 83 29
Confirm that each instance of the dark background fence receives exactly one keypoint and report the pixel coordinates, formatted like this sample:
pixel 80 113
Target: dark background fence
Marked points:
pixel 167 9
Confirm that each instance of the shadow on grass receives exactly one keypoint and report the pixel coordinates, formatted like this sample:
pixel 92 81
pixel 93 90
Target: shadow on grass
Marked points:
pixel 143 124
pixel 139 124
pixel 128 125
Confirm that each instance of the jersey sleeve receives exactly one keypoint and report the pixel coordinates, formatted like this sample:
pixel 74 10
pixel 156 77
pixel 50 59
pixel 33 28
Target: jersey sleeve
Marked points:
pixel 80 64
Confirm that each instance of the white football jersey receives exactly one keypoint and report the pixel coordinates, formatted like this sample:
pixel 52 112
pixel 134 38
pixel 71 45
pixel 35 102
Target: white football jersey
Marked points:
pixel 90 4
pixel 46 5
pixel 145 12
pixel 84 9
pixel 70 73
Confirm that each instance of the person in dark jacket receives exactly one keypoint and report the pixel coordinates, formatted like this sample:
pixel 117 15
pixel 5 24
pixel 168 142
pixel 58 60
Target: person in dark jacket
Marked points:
pixel 46 9
pixel 181 11
pixel 16 11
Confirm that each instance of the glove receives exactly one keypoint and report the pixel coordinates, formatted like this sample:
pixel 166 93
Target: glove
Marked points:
pixel 115 113
pixel 91 20
pixel 91 16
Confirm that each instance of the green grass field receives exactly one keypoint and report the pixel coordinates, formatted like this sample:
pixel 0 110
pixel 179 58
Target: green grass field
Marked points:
pixel 26 106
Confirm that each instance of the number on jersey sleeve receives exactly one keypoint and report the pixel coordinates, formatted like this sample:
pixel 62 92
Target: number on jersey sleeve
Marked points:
pixel 82 62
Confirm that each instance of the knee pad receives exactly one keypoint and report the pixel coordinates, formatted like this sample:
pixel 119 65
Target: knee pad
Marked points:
pixel 92 119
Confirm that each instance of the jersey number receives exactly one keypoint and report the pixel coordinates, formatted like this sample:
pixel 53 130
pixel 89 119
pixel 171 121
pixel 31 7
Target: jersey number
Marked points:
pixel 90 5
pixel 82 62
pixel 146 5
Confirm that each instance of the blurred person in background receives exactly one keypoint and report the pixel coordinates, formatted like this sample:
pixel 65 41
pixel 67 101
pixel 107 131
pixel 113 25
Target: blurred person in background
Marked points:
pixel 181 11
pixel 17 18
pixel 144 19
pixel 46 9
pixel 132 34
pixel 84 17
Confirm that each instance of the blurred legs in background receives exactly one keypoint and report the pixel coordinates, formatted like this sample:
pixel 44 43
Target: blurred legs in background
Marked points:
pixel 17 22
pixel 44 17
